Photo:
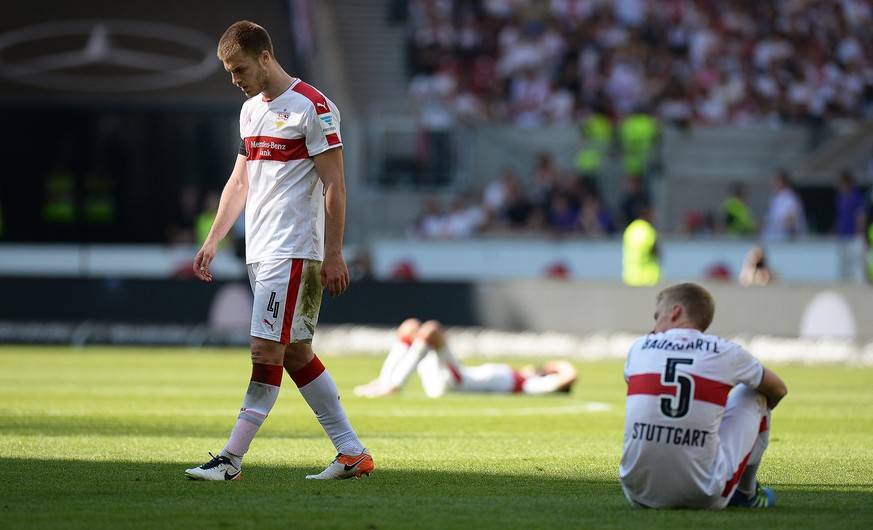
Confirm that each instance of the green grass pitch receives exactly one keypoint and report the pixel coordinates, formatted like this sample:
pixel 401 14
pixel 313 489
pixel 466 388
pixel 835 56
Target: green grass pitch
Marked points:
pixel 99 438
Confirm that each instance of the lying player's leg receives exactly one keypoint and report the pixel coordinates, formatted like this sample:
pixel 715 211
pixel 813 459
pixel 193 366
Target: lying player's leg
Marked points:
pixel 399 364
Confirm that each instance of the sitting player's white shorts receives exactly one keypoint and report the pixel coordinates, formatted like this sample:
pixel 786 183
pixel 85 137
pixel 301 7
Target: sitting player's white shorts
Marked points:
pixel 287 299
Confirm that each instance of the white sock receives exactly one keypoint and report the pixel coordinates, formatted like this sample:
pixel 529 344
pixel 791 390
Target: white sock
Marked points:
pixel 261 395
pixel 403 365
pixel 319 390
pixel 395 354
pixel 448 359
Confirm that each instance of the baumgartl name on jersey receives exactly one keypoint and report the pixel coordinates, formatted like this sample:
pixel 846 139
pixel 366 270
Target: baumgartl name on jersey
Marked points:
pixel 669 435
pixel 667 344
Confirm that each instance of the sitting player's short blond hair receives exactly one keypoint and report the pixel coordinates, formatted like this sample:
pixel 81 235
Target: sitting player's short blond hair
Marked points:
pixel 697 301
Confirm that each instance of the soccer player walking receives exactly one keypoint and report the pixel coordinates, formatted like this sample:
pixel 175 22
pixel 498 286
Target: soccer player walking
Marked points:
pixel 289 179
pixel 698 412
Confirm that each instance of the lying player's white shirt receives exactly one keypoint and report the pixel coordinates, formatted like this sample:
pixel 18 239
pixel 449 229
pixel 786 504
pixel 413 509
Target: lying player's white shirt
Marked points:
pixel 490 377
pixel 285 203
pixel 439 376
pixel 678 384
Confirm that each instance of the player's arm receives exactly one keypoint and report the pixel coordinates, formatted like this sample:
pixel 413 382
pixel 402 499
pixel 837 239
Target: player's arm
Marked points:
pixel 773 388
pixel 334 271
pixel 565 373
pixel 231 205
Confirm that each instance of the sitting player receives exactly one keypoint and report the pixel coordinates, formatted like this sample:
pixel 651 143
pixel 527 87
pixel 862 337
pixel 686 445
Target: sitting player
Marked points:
pixel 423 347
pixel 698 412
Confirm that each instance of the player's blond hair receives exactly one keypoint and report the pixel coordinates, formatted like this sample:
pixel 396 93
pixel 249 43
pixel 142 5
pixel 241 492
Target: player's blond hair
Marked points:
pixel 697 301
pixel 246 37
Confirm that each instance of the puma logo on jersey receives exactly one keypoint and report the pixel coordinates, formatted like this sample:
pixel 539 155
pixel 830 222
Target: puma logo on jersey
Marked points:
pixel 271 324
pixel 321 105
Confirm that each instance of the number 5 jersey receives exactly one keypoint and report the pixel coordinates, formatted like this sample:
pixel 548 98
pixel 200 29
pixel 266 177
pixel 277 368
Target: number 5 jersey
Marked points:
pixel 678 385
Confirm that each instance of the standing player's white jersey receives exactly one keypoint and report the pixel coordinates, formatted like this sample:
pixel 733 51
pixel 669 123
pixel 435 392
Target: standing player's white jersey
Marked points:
pixel 678 385
pixel 285 203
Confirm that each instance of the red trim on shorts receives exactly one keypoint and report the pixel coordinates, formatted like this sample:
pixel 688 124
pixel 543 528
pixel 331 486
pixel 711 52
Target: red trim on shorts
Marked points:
pixel 732 483
pixel 705 389
pixel 763 427
pixel 519 381
pixel 308 373
pixel 729 487
pixel 269 374
pixel 291 297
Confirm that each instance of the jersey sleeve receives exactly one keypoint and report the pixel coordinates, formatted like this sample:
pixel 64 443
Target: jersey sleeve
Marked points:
pixel 322 127
pixel 242 147
pixel 749 370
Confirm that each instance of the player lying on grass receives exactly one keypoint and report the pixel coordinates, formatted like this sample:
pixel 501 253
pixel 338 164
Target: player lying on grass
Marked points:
pixel 697 414
pixel 424 347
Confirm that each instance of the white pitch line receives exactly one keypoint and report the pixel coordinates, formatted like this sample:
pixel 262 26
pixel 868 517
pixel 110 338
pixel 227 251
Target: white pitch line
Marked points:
pixel 492 412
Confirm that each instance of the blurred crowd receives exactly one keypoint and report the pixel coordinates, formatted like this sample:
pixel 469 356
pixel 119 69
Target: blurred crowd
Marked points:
pixel 552 201
pixel 537 62
pixel 619 70
pixel 547 199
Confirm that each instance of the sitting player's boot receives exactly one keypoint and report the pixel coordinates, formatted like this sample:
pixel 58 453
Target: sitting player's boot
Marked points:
pixel 347 466
pixel 763 498
pixel 219 468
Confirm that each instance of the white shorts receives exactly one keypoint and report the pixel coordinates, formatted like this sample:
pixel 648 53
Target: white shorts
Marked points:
pixel 742 439
pixel 287 299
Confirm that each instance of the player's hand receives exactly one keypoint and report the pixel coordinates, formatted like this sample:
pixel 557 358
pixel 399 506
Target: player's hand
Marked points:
pixel 201 263
pixel 335 274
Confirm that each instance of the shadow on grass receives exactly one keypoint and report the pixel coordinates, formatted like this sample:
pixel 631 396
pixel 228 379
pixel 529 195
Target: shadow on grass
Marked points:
pixel 96 495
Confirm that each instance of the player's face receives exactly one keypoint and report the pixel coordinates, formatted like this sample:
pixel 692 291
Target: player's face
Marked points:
pixel 248 73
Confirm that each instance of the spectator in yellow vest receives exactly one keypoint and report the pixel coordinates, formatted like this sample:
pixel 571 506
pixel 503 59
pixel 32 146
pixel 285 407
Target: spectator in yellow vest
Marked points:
pixel 206 216
pixel 638 135
pixel 597 132
pixel 640 253
pixel 738 217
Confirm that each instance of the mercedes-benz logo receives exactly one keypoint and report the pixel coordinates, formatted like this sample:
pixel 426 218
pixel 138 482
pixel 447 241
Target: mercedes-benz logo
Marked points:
pixel 106 55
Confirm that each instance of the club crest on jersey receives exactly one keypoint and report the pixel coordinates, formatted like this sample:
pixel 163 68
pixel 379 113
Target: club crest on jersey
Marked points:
pixel 327 124
pixel 282 118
